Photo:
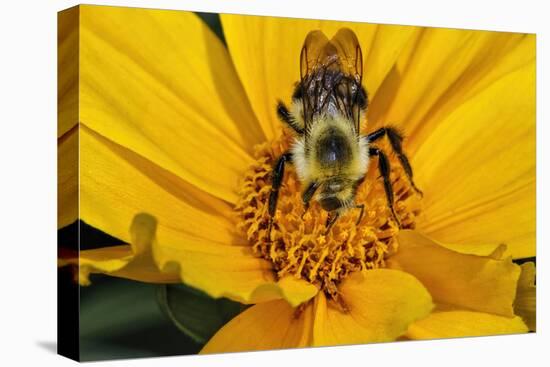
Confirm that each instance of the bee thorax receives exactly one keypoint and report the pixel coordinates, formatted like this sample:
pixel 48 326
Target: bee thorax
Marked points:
pixel 333 149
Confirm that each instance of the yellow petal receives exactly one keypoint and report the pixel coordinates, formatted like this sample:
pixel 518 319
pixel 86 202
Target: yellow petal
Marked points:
pixel 441 68
pixel 102 260
pixel 265 326
pixel 465 281
pixel 116 184
pixel 245 278
pixel 67 107
pixel 220 271
pixel 453 324
pixel 526 299
pixel 266 53
pixel 67 178
pixel 162 84
pixel 133 261
pixel 452 93
pixel 294 291
pixel 195 235
pixel 381 54
pixel 119 261
pixel 495 251
pixel 382 303
pixel 491 56
pixel 67 69
pixel 480 189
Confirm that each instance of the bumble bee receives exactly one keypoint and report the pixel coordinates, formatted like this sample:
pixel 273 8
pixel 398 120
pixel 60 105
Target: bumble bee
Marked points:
pixel 329 153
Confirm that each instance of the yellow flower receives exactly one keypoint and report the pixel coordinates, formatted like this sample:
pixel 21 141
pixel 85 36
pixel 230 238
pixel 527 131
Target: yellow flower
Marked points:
pixel 177 127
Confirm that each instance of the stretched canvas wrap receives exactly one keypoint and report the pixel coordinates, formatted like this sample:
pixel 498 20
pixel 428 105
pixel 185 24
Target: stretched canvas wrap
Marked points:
pixel 237 183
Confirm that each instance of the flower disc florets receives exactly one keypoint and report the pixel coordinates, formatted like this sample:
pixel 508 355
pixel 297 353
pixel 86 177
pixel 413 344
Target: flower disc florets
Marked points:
pixel 299 243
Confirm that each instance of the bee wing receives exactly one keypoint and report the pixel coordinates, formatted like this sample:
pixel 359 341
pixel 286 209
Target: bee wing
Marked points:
pixel 323 63
pixel 350 62
pixel 349 53
pixel 313 53
pixel 312 59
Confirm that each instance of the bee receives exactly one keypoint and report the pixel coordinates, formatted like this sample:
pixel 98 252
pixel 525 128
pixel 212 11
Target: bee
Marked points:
pixel 330 155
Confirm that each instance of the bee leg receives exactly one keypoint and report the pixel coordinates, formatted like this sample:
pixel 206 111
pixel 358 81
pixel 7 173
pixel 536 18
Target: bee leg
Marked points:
pixel 362 207
pixel 384 167
pixel 285 116
pixel 330 221
pixel 306 207
pixel 395 139
pixel 276 182
pixel 307 195
pixel 269 226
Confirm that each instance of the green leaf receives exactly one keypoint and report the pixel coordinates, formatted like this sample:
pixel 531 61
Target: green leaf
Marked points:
pixel 195 313
pixel 120 318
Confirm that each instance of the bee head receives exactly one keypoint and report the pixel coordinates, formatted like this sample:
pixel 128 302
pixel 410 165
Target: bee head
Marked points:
pixel 336 194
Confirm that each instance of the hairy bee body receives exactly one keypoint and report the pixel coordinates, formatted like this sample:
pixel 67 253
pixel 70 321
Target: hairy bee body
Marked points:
pixel 329 152
pixel 334 158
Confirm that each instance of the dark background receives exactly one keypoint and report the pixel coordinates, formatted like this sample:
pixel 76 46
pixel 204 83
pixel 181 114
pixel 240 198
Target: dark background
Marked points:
pixel 117 318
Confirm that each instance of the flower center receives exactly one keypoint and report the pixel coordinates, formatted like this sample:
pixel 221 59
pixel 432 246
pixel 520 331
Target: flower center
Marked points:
pixel 300 244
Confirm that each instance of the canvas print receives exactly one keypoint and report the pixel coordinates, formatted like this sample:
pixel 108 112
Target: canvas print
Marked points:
pixel 232 183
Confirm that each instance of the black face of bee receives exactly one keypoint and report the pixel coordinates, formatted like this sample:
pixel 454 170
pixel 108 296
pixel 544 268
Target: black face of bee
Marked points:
pixel 334 195
pixel 330 203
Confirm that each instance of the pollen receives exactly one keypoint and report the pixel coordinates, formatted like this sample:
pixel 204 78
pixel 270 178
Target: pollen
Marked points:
pixel 299 244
